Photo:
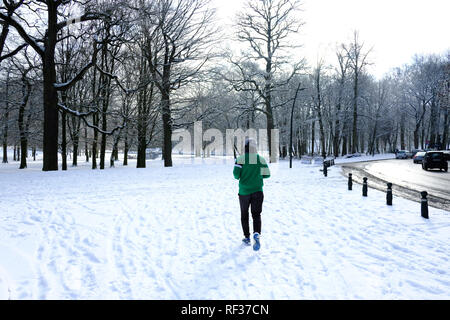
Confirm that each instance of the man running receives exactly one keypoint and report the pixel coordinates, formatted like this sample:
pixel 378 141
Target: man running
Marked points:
pixel 250 169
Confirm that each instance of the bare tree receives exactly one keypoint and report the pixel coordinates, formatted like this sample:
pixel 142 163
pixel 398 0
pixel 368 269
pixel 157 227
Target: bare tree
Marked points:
pixel 179 43
pixel 317 98
pixel 45 47
pixel 24 66
pixel 358 61
pixel 266 26
pixel 5 115
pixel 444 95
pixel 342 76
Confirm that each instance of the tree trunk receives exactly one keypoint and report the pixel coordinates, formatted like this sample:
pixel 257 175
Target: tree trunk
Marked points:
pixel 446 106
pixel 291 132
pixel 142 146
pixel 446 128
pixel 95 121
pixel 394 144
pixel 103 142
pixel 355 114
pixel 125 148
pixel 86 146
pixel 345 143
pixel 26 87
pixel 114 151
pixel 5 125
pixel 322 135
pixel 423 138
pixel 416 136
pixel 319 114
pixel 167 129
pixel 362 147
pixel 23 153
pixel 23 139
pixel 402 133
pixel 336 138
pixel 166 115
pixel 50 140
pixel 75 151
pixel 5 148
pixel 142 129
pixel 105 102
pixel 374 139
pixel 64 140
pixel 270 127
pixel 75 135
pixel 434 122
pixel 94 142
pixel 268 105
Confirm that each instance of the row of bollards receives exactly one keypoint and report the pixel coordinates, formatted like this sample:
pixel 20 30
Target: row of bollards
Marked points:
pixel 424 194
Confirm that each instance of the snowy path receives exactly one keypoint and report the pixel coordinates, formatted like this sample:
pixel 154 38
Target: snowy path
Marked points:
pixel 175 233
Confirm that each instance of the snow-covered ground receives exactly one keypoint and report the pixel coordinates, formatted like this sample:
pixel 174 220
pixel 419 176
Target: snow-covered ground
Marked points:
pixel 174 233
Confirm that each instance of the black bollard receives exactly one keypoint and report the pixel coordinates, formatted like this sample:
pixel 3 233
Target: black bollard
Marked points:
pixel 350 182
pixel 424 202
pixel 325 169
pixel 389 194
pixel 364 189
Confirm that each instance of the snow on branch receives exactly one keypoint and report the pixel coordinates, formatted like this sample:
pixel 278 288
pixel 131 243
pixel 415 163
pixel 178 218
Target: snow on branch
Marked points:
pixel 33 42
pixel 83 116
pixel 85 17
pixel 116 79
pixel 66 85
pixel 13 53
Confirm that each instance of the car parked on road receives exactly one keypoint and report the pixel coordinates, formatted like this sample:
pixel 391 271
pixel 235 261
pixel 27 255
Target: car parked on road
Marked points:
pixel 435 160
pixel 447 154
pixel 415 151
pixel 418 157
pixel 401 154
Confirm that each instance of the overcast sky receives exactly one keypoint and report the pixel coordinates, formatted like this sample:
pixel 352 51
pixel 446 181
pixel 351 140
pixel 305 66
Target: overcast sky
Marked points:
pixel 396 29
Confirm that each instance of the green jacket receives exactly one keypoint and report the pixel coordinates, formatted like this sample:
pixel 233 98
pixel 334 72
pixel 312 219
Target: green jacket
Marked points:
pixel 250 169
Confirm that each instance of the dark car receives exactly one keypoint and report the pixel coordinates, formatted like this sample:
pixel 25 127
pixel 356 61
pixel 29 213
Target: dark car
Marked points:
pixel 418 157
pixel 435 160
pixel 447 154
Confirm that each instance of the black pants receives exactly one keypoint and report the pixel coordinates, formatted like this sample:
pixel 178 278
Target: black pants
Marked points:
pixel 255 200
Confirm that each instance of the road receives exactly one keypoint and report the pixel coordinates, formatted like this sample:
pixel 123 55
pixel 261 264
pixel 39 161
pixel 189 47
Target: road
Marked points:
pixel 408 179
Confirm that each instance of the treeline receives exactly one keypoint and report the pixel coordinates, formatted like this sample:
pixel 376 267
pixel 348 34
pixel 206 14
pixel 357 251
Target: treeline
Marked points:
pixel 84 78
pixel 341 113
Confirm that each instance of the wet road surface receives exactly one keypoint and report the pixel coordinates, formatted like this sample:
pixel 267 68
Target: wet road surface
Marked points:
pixel 408 179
